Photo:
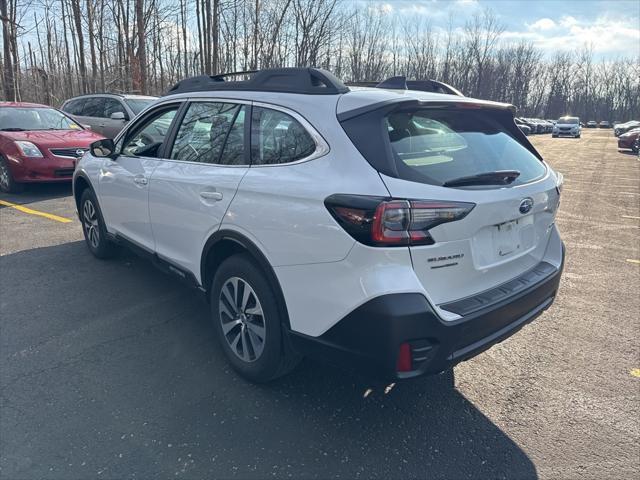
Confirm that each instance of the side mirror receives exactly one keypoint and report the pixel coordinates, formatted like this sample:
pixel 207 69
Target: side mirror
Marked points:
pixel 118 116
pixel 103 148
pixel 86 127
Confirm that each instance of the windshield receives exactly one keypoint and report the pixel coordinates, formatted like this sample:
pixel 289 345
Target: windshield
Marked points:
pixel 38 118
pixel 436 146
pixel 138 104
pixel 569 120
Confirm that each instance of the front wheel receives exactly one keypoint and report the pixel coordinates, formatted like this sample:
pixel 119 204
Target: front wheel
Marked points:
pixel 7 183
pixel 635 148
pixel 248 321
pixel 95 232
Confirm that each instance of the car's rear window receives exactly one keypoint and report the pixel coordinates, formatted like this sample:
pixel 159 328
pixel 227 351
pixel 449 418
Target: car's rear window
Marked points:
pixel 436 146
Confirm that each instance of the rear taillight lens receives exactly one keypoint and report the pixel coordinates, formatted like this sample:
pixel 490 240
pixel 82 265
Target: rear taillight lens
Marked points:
pixel 381 221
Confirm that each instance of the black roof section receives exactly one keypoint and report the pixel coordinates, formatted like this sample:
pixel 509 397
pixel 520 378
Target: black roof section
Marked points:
pixel 310 81
pixel 401 83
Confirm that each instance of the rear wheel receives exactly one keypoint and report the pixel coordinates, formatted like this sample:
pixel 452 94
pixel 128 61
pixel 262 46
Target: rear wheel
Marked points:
pixel 248 322
pixel 7 183
pixel 635 148
pixel 95 232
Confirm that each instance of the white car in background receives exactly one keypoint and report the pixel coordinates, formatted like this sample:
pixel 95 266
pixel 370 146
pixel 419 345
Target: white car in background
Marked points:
pixel 386 230
pixel 567 127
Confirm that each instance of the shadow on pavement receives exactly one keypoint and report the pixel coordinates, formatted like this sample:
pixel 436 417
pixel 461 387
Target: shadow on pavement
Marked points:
pixel 37 192
pixel 111 369
pixel 628 152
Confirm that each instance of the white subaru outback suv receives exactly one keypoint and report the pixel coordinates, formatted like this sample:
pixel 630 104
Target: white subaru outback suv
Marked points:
pixel 390 231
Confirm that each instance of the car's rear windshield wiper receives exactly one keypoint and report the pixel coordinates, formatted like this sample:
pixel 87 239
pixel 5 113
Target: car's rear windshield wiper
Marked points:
pixel 13 129
pixel 500 177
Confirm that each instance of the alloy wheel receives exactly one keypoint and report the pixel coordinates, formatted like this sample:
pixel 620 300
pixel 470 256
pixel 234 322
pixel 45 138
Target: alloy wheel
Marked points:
pixel 90 223
pixel 4 176
pixel 242 319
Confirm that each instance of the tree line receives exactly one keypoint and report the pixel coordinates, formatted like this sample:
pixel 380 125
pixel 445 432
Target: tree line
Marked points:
pixel 55 49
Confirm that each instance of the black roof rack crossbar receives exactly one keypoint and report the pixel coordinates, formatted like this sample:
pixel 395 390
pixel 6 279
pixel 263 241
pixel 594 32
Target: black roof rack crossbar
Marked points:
pixel 310 81
pixel 401 83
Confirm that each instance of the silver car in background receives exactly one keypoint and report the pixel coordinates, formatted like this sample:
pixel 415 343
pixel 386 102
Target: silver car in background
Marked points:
pixel 106 113
pixel 567 127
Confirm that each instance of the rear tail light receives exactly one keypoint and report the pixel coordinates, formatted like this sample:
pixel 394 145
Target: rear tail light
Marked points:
pixel 379 221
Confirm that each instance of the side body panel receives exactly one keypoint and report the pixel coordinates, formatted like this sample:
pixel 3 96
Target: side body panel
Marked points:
pixel 123 189
pixel 187 202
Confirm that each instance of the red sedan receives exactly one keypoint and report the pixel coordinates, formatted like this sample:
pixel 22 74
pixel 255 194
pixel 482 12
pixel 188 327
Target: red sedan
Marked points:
pixel 631 140
pixel 38 144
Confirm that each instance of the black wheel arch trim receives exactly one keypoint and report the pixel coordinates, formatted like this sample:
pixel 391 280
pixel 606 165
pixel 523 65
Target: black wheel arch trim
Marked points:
pixel 247 244
pixel 85 177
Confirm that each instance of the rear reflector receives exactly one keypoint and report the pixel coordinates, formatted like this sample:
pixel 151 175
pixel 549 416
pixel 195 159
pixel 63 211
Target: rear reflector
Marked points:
pixel 404 363
pixel 378 221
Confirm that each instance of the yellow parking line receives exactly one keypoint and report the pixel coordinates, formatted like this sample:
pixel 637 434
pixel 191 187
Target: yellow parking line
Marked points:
pixel 635 372
pixel 630 260
pixel 30 211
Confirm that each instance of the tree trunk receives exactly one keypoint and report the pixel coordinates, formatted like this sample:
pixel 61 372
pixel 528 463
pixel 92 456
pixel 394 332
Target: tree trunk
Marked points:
pixel 7 69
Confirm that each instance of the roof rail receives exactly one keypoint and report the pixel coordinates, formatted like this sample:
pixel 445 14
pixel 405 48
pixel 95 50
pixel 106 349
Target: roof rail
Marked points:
pixel 310 81
pixel 401 83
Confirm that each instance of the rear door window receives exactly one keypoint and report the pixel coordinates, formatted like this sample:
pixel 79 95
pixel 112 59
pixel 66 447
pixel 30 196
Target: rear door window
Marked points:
pixel 439 145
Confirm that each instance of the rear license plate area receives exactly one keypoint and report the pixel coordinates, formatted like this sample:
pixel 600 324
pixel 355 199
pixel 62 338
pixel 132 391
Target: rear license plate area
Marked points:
pixel 510 238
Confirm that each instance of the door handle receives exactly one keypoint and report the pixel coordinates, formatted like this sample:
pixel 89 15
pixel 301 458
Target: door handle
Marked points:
pixel 140 180
pixel 207 195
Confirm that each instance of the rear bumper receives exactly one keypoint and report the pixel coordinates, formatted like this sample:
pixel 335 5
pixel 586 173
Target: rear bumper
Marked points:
pixel 368 339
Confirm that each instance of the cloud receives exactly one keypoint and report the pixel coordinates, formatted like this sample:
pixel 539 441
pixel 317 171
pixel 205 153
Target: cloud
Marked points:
pixel 542 24
pixel 606 35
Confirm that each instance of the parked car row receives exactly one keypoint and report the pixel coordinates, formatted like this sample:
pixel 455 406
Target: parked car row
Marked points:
pixel 534 125
pixel 621 128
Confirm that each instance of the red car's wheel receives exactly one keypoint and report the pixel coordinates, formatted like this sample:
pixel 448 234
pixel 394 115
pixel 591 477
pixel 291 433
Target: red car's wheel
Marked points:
pixel 7 183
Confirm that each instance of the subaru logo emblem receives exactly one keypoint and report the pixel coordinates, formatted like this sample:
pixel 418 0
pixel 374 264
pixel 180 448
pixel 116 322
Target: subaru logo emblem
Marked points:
pixel 79 152
pixel 526 205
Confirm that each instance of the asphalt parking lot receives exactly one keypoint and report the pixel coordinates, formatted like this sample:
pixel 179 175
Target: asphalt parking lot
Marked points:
pixel 110 370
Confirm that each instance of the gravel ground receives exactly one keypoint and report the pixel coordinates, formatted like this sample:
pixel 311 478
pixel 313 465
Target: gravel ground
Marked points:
pixel 109 369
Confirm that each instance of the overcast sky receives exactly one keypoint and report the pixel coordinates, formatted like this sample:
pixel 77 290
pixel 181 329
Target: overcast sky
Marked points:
pixel 612 27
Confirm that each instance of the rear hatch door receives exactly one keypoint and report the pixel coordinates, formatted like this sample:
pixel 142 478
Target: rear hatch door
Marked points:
pixel 449 152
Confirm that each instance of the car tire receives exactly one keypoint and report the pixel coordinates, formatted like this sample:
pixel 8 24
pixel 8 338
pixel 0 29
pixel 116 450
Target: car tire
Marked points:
pixel 635 147
pixel 7 182
pixel 93 227
pixel 248 321
pixel 577 136
pixel 554 136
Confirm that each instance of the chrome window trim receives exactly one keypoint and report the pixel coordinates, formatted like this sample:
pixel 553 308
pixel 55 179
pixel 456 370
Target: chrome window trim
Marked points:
pixel 322 147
